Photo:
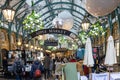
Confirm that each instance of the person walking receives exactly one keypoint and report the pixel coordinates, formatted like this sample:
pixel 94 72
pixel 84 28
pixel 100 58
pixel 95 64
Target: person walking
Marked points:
pixel 18 68
pixel 37 70
pixel 46 66
pixel 51 67
pixel 57 64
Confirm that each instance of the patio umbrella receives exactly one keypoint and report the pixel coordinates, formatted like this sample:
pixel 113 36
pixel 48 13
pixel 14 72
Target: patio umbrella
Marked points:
pixel 88 57
pixel 110 57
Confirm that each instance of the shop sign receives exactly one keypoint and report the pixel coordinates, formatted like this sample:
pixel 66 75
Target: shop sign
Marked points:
pixel 53 31
pixel 51 42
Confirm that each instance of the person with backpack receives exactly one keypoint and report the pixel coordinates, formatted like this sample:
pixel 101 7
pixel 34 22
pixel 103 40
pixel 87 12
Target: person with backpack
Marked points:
pixel 37 70
pixel 18 69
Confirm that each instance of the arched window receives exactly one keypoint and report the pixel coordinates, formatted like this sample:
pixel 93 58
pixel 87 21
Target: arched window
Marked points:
pixel 12 39
pixel 2 36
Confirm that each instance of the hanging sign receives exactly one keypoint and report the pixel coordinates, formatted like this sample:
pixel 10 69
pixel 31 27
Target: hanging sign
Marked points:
pixel 51 42
pixel 53 31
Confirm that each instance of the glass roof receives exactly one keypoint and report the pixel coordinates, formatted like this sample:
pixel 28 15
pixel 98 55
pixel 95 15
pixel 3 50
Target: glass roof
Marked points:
pixel 49 9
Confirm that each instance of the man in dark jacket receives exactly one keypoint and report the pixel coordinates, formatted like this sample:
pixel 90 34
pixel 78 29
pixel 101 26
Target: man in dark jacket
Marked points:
pixel 36 65
pixel 47 66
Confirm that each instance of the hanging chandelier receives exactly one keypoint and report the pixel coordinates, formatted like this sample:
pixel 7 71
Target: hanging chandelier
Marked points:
pixel 8 13
pixel 85 24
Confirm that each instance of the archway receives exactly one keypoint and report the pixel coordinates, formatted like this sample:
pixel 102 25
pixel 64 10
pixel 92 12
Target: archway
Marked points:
pixel 50 31
pixel 4 53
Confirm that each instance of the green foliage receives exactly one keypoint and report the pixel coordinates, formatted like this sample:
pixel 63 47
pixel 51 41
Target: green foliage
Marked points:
pixel 41 42
pixel 33 22
pixel 72 45
pixel 62 39
pixel 95 30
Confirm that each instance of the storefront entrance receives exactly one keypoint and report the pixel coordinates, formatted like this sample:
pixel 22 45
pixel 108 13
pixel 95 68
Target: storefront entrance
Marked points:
pixel 3 53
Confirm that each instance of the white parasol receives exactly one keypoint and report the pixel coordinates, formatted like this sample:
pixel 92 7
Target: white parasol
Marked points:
pixel 88 57
pixel 110 58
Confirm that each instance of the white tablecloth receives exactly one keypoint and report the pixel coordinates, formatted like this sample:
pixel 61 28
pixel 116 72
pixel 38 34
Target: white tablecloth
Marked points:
pixel 114 76
pixel 81 77
pixel 100 76
pixel 84 78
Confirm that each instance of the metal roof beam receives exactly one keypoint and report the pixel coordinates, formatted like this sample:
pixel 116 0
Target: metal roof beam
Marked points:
pixel 62 9
pixel 72 7
pixel 37 2
pixel 78 23
pixel 20 12
pixel 50 7
pixel 66 3
pixel 2 8
pixel 16 3
pixel 19 6
pixel 56 3
pixel 56 15
pixel 74 22
pixel 50 25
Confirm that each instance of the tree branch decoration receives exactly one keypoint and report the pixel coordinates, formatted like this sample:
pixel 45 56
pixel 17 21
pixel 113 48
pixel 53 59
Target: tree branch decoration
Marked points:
pixel 33 22
pixel 96 29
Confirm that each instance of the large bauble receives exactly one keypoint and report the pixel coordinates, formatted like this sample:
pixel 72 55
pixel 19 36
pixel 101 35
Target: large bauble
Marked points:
pixel 67 18
pixel 101 7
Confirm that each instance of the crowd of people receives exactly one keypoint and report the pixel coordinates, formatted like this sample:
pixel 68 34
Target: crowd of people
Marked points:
pixel 46 68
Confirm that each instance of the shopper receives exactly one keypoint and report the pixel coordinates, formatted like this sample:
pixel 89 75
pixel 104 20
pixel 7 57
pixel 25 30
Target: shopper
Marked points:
pixel 5 65
pixel 46 66
pixel 57 64
pixel 18 68
pixel 51 66
pixel 37 70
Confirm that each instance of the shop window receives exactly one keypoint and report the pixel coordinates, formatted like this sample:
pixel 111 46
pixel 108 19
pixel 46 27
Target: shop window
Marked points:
pixel 12 39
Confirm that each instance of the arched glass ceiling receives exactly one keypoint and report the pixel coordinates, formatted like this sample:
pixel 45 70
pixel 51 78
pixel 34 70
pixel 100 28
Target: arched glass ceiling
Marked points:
pixel 49 9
